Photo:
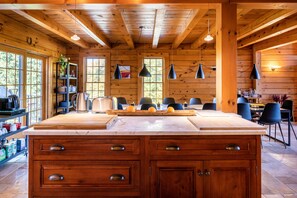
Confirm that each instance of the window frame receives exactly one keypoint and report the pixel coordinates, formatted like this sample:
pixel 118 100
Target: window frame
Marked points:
pixel 83 67
pixel 165 57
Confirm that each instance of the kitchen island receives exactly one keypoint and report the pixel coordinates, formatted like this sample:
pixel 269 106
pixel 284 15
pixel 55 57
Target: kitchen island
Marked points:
pixel 208 155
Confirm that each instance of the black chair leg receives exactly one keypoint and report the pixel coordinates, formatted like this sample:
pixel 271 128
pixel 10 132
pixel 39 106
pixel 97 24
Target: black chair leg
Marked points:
pixel 269 132
pixel 282 134
pixel 275 131
pixel 293 130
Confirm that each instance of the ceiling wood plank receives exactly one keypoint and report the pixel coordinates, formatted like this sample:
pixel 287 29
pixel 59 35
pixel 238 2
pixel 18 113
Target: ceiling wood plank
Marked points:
pixel 45 22
pixel 278 28
pixel 122 27
pixel 242 12
pixel 200 41
pixel 193 21
pixel 277 41
pixel 90 28
pixel 269 18
pixel 159 19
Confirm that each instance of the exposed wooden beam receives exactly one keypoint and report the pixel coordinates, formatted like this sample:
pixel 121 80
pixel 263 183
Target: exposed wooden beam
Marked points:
pixel 242 12
pixel 278 28
pixel 44 21
pixel 200 41
pixel 269 18
pixel 90 28
pixel 277 41
pixel 159 18
pixel 117 15
pixel 195 18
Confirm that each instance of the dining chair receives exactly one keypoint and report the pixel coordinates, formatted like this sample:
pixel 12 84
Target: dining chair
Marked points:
pixel 145 100
pixel 209 106
pixel 244 110
pixel 176 106
pixel 168 100
pixel 120 106
pixel 272 116
pixel 122 100
pixel 214 100
pixel 147 106
pixel 194 101
pixel 288 104
pixel 242 100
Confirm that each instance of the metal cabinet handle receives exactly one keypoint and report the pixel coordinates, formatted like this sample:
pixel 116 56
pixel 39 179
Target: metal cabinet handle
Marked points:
pixel 117 177
pixel 207 172
pixel 57 147
pixel 233 147
pixel 56 177
pixel 200 173
pixel 172 148
pixel 117 148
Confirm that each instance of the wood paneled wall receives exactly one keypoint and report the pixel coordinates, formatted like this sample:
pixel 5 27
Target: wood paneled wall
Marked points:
pixel 282 80
pixel 186 64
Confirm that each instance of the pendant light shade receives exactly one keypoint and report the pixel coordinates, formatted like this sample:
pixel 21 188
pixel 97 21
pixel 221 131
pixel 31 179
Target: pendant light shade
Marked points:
pixel 172 74
pixel 208 37
pixel 117 73
pixel 200 73
pixel 255 74
pixel 144 72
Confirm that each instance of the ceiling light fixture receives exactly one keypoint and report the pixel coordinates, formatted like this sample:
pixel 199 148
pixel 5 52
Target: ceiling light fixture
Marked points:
pixel 144 72
pixel 255 74
pixel 208 37
pixel 171 74
pixel 200 72
pixel 75 37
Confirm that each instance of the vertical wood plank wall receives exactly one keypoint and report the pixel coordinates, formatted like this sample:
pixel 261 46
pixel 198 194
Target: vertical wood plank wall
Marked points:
pixel 282 80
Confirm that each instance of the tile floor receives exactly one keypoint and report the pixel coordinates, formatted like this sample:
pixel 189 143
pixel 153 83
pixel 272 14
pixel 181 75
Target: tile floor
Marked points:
pixel 279 172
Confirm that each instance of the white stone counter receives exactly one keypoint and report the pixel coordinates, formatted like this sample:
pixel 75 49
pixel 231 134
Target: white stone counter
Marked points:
pixel 205 123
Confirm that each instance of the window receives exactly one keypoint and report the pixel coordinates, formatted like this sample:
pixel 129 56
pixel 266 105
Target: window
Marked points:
pixel 34 89
pixel 11 71
pixel 95 77
pixel 153 86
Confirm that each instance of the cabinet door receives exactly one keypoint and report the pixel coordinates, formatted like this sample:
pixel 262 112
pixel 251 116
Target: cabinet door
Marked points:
pixel 176 179
pixel 230 178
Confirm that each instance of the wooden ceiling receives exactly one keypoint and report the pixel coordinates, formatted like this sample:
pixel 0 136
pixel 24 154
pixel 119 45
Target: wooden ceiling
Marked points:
pixel 108 25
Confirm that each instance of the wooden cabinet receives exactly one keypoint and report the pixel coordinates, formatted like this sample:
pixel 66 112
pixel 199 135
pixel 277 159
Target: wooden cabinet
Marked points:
pixel 145 166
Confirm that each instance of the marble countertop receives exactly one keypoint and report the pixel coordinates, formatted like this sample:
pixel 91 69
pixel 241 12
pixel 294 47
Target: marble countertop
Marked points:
pixel 205 123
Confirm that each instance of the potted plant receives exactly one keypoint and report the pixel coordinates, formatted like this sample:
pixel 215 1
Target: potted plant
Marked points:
pixel 279 98
pixel 63 64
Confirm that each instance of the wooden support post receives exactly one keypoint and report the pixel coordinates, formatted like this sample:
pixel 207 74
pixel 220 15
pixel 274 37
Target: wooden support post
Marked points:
pixel 226 52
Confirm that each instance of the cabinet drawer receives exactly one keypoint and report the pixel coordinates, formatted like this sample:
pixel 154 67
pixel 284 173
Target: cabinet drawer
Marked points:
pixel 202 146
pixel 88 176
pixel 61 149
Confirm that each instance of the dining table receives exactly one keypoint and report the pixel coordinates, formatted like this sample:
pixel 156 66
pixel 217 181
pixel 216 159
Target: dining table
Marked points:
pixel 260 109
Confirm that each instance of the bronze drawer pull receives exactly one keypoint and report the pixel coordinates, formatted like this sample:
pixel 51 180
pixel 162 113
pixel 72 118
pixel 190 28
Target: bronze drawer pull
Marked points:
pixel 233 147
pixel 56 177
pixel 207 172
pixel 117 177
pixel 172 148
pixel 57 147
pixel 117 148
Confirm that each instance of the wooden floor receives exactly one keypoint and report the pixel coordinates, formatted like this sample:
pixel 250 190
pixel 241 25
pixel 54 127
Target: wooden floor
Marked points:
pixel 279 172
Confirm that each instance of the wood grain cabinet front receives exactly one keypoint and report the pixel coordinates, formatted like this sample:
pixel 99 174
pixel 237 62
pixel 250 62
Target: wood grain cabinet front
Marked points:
pixel 71 178
pixel 62 149
pixel 202 146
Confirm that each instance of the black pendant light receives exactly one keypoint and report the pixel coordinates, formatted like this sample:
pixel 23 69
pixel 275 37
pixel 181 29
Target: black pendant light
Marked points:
pixel 172 74
pixel 255 74
pixel 200 73
pixel 117 73
pixel 144 72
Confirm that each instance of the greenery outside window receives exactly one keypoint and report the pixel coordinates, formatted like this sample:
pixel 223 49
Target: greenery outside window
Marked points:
pixel 95 79
pixel 153 86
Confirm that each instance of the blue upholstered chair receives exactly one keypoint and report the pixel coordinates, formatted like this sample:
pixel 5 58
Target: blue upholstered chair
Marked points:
pixel 244 110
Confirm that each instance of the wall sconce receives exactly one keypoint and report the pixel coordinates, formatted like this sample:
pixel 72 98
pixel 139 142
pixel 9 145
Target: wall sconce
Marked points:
pixel 274 67
pixel 213 68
